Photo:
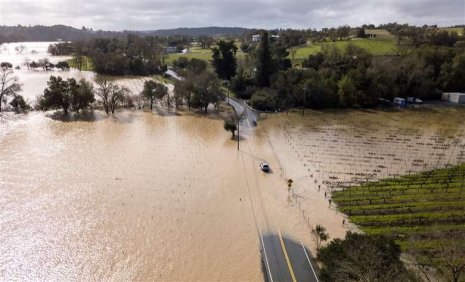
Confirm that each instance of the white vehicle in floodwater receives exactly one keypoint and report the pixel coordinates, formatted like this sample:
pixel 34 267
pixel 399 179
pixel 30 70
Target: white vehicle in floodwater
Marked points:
pixel 264 166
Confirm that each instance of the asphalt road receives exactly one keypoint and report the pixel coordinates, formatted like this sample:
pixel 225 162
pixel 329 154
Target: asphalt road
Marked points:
pixel 286 259
pixel 250 118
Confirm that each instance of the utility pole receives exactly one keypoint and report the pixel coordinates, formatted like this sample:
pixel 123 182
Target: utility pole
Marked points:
pixel 303 105
pixel 238 134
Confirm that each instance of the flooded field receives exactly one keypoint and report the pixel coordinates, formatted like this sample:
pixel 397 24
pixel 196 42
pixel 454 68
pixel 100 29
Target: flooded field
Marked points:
pixel 334 149
pixel 35 81
pixel 136 197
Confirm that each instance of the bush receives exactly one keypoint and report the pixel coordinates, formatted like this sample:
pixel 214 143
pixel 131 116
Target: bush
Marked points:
pixel 19 104
pixel 264 100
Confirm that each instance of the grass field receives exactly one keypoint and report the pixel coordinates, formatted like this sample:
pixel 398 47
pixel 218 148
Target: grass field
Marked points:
pixel 377 47
pixel 459 30
pixel 195 52
pixel 198 53
pixel 411 207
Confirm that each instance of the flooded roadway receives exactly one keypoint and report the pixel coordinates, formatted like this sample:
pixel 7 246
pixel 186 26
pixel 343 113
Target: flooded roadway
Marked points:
pixel 133 197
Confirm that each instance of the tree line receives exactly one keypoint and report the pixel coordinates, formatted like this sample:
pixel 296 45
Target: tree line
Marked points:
pixel 338 77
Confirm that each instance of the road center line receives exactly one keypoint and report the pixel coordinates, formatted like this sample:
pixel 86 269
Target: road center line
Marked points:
pixel 287 257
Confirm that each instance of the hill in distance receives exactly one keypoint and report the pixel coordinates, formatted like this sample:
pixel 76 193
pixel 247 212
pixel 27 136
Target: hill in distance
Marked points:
pixel 68 33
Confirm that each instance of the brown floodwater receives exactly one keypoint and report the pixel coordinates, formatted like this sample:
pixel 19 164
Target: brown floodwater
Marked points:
pixel 34 81
pixel 135 197
pixel 132 197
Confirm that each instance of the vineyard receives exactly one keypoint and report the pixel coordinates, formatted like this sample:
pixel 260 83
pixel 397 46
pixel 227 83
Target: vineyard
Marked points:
pixel 87 64
pixel 411 207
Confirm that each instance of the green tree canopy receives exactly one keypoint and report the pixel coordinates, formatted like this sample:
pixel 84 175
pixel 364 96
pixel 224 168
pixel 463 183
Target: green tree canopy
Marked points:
pixel 224 59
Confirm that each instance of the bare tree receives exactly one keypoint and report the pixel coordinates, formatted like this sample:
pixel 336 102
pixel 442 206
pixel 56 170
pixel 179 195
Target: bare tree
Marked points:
pixel 451 261
pixel 117 96
pixel 104 91
pixel 446 261
pixel 27 62
pixel 9 85
pixel 110 94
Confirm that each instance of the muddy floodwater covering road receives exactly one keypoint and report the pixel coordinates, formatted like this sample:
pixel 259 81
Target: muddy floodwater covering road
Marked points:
pixel 135 196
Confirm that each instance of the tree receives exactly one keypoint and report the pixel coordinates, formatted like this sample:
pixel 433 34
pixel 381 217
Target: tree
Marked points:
pixel 9 85
pixel 19 104
pixel 27 62
pixel 34 65
pixel 57 94
pixel 45 64
pixel 230 125
pixel 360 33
pixel 264 62
pixel 82 94
pixel 161 91
pixel 6 65
pixel 206 90
pixel 347 92
pixel 110 94
pixel 224 59
pixel 117 97
pixel 448 259
pixel 149 91
pixel 320 235
pixel 343 31
pixel 264 100
pixel 362 257
pixel 183 90
pixel 64 66
pixel 453 74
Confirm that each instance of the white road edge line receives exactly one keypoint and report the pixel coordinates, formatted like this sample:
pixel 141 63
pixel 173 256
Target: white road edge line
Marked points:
pixel 266 257
pixel 308 259
pixel 249 123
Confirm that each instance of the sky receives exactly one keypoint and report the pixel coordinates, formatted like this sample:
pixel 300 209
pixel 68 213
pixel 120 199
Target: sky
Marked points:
pixel 160 14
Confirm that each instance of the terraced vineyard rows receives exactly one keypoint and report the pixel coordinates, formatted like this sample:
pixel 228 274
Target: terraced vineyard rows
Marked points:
pixel 411 207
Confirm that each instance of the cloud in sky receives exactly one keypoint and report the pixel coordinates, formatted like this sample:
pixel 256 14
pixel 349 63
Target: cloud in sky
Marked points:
pixel 157 14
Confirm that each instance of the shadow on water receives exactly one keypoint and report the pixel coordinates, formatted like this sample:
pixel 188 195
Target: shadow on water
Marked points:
pixel 165 113
pixel 86 116
pixel 275 259
pixel 122 117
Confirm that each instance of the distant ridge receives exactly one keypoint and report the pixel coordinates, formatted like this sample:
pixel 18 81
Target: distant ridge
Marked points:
pixel 68 33
pixel 52 33
pixel 213 31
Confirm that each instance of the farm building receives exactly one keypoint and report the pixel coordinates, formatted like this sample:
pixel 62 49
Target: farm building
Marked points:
pixel 454 97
